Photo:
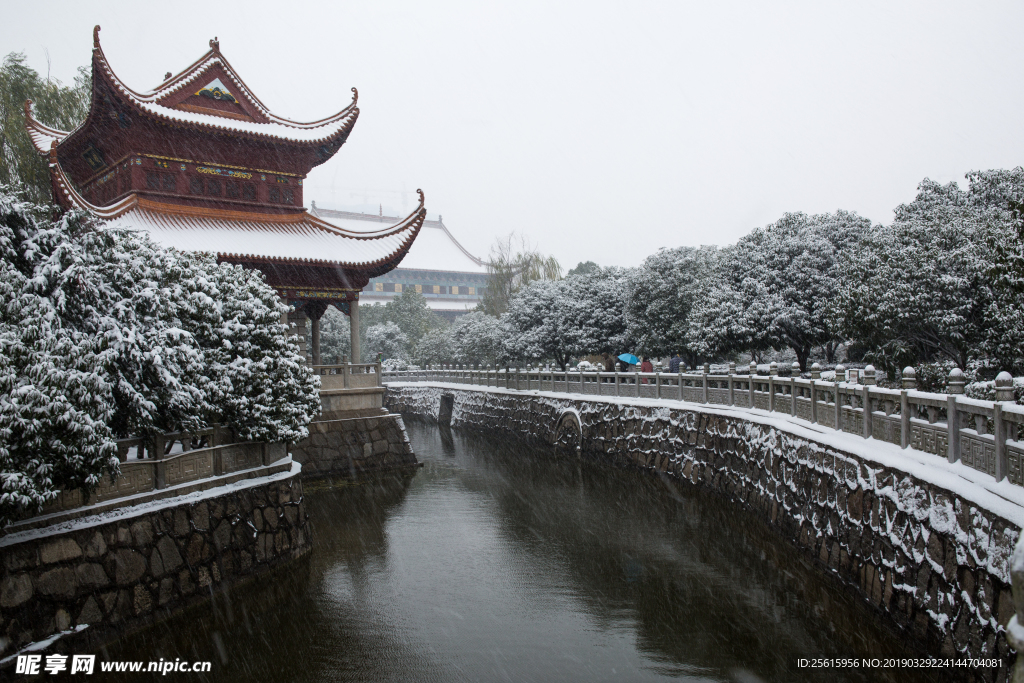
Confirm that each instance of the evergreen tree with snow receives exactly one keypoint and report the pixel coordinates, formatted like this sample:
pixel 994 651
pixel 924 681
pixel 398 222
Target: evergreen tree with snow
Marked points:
pixel 922 289
pixel 105 335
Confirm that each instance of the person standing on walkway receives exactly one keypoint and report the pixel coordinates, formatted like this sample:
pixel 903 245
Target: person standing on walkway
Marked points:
pixel 646 366
pixel 673 365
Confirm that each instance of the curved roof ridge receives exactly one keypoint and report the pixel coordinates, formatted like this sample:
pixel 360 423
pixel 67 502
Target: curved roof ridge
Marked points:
pixel 194 71
pixel 417 217
pixel 41 135
pixel 474 259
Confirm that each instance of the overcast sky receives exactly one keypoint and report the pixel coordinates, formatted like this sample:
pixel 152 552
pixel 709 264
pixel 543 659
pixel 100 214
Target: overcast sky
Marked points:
pixel 602 131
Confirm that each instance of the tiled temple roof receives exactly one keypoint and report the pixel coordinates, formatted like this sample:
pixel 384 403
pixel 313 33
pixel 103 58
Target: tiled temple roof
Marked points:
pixel 262 123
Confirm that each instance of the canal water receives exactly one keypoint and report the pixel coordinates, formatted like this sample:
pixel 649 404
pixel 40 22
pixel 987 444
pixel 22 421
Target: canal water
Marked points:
pixel 503 562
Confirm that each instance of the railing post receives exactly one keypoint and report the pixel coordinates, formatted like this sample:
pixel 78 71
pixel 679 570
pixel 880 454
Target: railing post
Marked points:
pixel 616 379
pixel 732 389
pixel 753 373
pixel 160 468
pixel 771 392
pixel 704 381
pixel 380 383
pixel 680 383
pixel 792 396
pixel 814 400
pixel 953 425
pixel 904 419
pixel 1002 465
pixel 636 379
pixel 657 385
pixel 839 404
pixel 346 370
pixel 867 411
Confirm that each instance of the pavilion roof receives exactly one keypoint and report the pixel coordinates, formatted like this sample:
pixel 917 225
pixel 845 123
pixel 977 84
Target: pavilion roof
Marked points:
pixel 257 123
pixel 297 238
pixel 436 248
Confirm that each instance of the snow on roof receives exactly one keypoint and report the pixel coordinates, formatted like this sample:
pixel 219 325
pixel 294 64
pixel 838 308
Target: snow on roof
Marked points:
pixel 302 240
pixel 318 133
pixel 331 128
pixel 42 136
pixel 435 247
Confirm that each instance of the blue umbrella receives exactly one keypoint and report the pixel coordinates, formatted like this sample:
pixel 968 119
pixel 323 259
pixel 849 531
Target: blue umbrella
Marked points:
pixel 629 358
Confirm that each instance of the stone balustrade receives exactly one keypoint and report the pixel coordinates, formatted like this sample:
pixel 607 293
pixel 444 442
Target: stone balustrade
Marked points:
pixel 348 376
pixel 981 434
pixel 165 462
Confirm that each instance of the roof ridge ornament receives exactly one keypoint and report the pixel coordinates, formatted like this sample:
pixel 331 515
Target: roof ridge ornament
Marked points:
pixel 355 96
pixel 215 45
pixel 96 36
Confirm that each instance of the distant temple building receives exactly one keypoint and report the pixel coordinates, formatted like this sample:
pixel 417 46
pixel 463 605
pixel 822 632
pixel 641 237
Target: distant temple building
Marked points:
pixel 204 166
pixel 450 278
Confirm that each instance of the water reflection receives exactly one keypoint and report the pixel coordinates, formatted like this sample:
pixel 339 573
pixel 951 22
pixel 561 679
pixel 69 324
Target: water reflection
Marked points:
pixel 501 562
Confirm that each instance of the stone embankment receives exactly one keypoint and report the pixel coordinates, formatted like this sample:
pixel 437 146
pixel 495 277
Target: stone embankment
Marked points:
pixel 102 576
pixel 925 541
pixel 355 446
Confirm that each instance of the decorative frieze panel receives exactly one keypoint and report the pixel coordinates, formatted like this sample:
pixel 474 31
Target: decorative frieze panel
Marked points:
pixel 978 453
pixel 1015 458
pixel 929 439
pixel 190 467
pixel 241 457
pixel 885 428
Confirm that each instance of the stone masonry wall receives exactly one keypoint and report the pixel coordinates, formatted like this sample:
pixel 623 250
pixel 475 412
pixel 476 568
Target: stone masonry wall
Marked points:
pixel 122 574
pixel 354 446
pixel 935 562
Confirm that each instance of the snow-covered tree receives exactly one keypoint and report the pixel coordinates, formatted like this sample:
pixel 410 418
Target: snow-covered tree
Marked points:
pixel 103 334
pixel 386 339
pixel 1003 191
pixel 534 325
pixel 921 288
pixel 592 311
pixel 774 288
pixel 259 384
pixel 660 296
pixel 477 338
pixel 435 347
pixel 409 312
pixel 335 335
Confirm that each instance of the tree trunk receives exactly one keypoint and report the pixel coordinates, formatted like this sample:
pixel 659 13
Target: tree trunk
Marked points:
pixel 801 355
pixel 830 351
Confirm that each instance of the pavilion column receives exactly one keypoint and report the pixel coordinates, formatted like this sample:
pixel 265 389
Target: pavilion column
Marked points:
pixel 314 338
pixel 353 319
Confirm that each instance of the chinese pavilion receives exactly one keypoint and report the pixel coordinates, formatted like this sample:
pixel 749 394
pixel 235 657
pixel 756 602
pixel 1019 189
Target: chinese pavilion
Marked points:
pixel 202 165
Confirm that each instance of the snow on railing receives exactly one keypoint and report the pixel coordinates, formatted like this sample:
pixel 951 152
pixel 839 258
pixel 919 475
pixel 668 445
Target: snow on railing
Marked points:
pixel 348 376
pixel 984 435
pixel 172 459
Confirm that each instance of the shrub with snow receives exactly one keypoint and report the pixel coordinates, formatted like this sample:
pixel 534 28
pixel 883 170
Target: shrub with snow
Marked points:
pixel 104 334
